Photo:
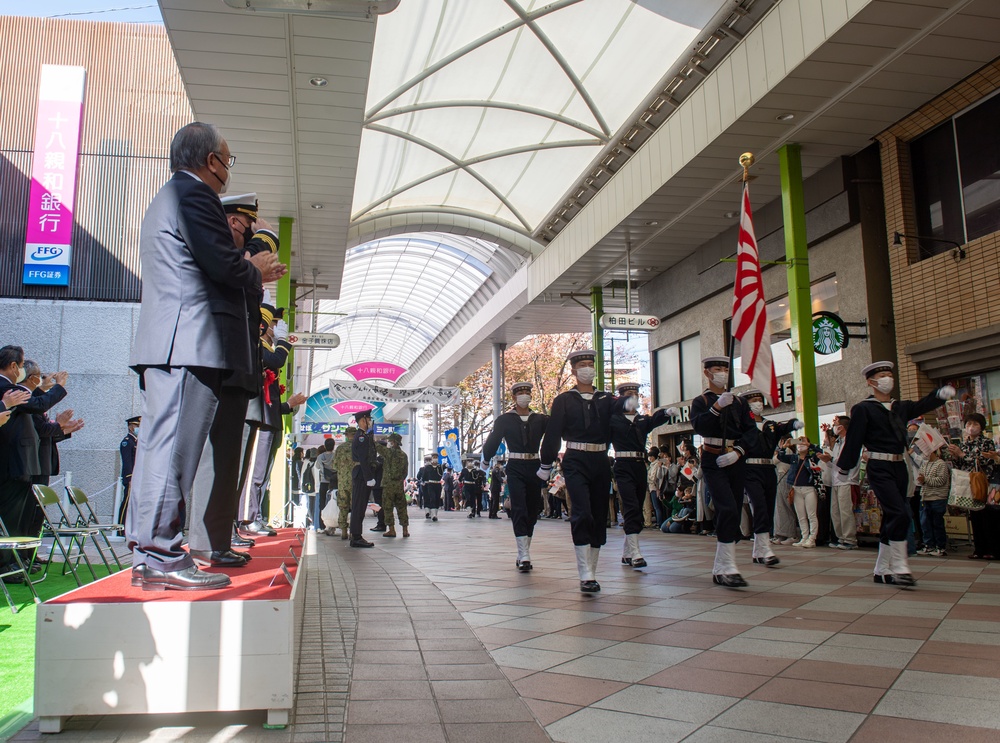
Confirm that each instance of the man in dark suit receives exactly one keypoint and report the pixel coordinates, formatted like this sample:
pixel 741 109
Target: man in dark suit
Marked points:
pixel 19 461
pixel 192 336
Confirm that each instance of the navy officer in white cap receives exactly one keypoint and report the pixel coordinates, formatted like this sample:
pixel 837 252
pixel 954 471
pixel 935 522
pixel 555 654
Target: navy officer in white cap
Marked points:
pixel 878 423
pixel 522 430
pixel 629 431
pixel 728 430
pixel 582 418
pixel 762 478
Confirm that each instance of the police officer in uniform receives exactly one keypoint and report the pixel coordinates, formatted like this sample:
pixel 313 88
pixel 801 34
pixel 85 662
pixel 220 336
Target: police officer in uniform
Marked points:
pixel 363 476
pixel 629 431
pixel 727 429
pixel 127 451
pixel 878 423
pixel 582 418
pixel 429 477
pixel 761 484
pixel 521 430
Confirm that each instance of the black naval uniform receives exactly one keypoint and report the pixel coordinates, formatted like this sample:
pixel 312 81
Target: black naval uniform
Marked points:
pixel 364 454
pixel 761 484
pixel 429 477
pixel 734 426
pixel 523 436
pixel 127 451
pixel 587 473
pixel 377 491
pixel 881 430
pixel 629 440
pixel 472 489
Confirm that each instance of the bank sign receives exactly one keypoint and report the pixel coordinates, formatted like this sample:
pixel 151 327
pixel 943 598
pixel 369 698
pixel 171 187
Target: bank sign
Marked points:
pixel 49 233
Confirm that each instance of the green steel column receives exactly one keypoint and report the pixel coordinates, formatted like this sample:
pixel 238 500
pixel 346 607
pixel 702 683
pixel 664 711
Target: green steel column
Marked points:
pixel 597 309
pixel 278 496
pixel 799 292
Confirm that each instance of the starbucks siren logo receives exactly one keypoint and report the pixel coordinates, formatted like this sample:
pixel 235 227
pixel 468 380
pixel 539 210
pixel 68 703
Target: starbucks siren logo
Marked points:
pixel 829 333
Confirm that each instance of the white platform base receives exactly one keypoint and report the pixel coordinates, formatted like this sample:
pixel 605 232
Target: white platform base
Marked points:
pixel 168 656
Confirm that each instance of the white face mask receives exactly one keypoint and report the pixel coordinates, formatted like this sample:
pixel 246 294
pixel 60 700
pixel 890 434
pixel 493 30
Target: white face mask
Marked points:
pixel 585 374
pixel 972 430
pixel 802 447
pixel 522 401
pixel 21 374
pixel 757 408
pixel 720 379
pixel 631 404
pixel 885 384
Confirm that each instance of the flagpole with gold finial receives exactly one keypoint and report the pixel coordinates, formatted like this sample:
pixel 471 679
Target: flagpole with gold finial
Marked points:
pixel 746 160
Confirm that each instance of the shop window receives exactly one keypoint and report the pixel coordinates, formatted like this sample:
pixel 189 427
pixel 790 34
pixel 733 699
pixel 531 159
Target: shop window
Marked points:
pixel 779 316
pixel 678 371
pixel 956 179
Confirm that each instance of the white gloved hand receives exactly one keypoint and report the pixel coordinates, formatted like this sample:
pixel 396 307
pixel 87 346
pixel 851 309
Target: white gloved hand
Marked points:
pixel 725 400
pixel 543 473
pixel 843 472
pixel 946 393
pixel 631 403
pixel 484 465
pixel 281 331
pixel 673 413
pixel 798 425
pixel 370 483
pixel 730 457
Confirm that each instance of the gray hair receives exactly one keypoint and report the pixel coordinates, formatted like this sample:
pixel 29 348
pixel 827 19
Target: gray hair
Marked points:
pixel 31 369
pixel 193 144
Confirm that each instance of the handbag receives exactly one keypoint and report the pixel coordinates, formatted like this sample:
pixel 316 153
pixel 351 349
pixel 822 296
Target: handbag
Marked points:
pixel 960 495
pixel 979 485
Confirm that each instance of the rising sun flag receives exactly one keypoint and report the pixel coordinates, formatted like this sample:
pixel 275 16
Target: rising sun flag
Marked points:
pixel 749 325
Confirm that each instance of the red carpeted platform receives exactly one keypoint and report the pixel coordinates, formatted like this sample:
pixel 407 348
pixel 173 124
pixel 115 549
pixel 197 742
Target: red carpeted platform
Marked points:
pixel 261 579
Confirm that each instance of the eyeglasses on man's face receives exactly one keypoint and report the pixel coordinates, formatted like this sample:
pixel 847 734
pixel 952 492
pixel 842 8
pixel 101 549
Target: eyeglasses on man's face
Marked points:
pixel 230 162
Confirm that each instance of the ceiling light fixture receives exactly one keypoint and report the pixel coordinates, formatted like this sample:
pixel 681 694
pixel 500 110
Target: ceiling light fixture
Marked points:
pixel 318 82
pixel 652 223
pixel 316 206
pixel 729 215
pixel 785 117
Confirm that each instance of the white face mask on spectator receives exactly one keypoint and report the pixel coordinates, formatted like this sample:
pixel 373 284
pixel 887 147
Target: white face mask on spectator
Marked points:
pixel 802 447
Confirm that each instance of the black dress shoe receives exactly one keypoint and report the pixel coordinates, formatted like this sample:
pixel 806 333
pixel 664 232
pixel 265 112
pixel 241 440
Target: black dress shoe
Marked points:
pixel 137 572
pixel 259 527
pixel 240 541
pixel 767 561
pixel 245 555
pixel 903 579
pixel 361 542
pixel 627 561
pixel 219 558
pixel 733 580
pixel 427 515
pixel 189 579
pixel 377 528
pixel 639 563
pixel 883 579
pixel 524 565
pixel 589 586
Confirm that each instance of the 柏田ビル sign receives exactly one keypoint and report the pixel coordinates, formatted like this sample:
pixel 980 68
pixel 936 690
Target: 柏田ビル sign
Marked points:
pixel 49 231
pixel 624 321
pixel 314 340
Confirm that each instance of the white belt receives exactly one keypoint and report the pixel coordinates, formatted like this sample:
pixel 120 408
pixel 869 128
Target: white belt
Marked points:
pixel 883 457
pixel 580 446
pixel 630 454
pixel 519 455
pixel 757 460
pixel 718 442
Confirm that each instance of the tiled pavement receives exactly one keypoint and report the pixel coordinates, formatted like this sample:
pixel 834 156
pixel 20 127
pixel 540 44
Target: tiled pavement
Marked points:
pixel 442 640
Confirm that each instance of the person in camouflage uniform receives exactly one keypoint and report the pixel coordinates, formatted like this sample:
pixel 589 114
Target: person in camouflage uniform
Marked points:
pixel 393 475
pixel 344 464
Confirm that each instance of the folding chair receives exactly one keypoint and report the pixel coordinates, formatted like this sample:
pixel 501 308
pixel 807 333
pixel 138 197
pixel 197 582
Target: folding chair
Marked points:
pixel 87 518
pixel 16 545
pixel 77 535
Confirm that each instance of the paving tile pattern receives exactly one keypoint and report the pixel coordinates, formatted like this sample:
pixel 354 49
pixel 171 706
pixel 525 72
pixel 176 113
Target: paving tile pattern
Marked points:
pixel 438 638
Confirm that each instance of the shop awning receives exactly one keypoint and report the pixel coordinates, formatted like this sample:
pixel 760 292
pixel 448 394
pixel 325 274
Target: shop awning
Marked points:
pixel 957 355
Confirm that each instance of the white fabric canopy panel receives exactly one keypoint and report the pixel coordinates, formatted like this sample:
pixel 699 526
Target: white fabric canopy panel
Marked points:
pixel 398 294
pixel 498 106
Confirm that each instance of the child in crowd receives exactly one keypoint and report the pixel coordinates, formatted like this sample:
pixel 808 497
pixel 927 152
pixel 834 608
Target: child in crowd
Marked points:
pixel 934 479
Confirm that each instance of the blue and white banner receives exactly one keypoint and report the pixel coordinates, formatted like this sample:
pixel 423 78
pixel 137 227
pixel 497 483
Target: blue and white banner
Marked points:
pixel 452 448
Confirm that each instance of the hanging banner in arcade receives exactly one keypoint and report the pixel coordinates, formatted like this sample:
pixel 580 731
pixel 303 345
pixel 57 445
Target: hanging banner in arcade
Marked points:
pixel 414 396
pixel 376 370
pixel 49 233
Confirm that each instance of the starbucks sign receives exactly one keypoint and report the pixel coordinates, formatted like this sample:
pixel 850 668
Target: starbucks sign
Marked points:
pixel 830 333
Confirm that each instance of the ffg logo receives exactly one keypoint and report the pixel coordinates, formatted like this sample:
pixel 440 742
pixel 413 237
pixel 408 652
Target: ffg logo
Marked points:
pixel 46 253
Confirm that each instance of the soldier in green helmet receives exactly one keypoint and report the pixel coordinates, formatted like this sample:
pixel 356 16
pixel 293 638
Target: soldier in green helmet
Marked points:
pixel 393 475
pixel 344 464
